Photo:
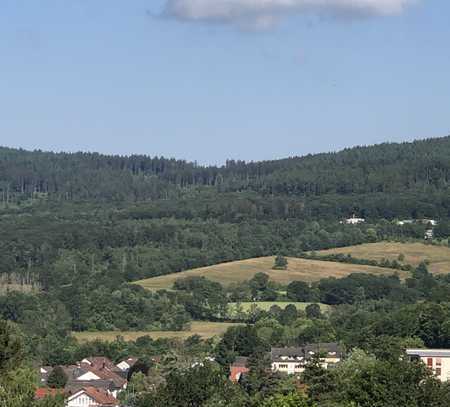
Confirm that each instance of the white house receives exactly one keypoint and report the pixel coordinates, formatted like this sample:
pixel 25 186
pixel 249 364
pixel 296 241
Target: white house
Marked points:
pixel 437 360
pixel 405 222
pixel 126 365
pixel 91 397
pixel 294 360
pixel 354 220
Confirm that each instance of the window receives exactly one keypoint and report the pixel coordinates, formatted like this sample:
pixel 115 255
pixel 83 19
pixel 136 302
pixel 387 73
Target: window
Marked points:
pixel 298 366
pixel 430 362
pixel 438 362
pixel 438 371
pixel 282 366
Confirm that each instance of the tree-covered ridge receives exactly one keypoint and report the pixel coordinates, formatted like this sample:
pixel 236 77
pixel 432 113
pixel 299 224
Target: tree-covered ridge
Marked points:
pixel 391 167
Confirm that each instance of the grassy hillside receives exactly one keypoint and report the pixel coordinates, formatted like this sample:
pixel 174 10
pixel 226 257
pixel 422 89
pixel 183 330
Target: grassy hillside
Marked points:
pixel 438 256
pixel 204 329
pixel 236 271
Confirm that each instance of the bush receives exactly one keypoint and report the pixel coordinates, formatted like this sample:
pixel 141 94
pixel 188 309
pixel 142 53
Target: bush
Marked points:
pixel 281 263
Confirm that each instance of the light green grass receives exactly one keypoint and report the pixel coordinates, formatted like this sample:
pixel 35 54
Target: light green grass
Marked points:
pixel 239 271
pixel 202 328
pixel 438 256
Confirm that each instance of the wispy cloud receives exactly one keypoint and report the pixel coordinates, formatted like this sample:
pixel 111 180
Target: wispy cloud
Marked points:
pixel 265 13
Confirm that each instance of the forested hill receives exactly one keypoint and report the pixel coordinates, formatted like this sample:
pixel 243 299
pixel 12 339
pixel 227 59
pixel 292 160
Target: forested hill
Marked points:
pixel 387 168
pixel 77 228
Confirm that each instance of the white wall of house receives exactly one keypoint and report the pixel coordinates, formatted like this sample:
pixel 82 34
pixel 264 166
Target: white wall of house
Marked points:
pixel 297 367
pixel 81 399
pixel 123 366
pixel 288 367
pixel 437 360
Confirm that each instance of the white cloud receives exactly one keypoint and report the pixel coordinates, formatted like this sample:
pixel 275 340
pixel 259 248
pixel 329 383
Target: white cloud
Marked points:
pixel 264 13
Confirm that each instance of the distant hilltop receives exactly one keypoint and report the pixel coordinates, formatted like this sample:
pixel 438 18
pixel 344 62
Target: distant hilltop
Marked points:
pixel 403 180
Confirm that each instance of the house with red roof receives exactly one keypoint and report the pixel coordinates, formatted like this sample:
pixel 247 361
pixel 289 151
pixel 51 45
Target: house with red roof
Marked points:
pixel 43 392
pixel 91 397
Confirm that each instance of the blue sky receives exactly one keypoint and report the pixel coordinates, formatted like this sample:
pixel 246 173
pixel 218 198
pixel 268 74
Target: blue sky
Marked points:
pixel 196 80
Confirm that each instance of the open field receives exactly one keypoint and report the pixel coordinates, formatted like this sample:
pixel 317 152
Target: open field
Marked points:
pixel 22 288
pixel 238 271
pixel 438 256
pixel 204 329
pixel 265 305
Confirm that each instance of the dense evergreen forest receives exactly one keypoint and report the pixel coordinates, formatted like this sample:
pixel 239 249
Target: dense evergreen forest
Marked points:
pixel 387 180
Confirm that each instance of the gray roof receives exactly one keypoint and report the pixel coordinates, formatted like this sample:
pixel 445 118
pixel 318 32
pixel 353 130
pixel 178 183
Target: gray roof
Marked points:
pixel 428 352
pixel 306 352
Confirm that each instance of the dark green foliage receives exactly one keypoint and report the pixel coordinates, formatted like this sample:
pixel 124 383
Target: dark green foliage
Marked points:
pixel 11 346
pixel 239 341
pixel 357 287
pixel 300 291
pixel 204 299
pixel 281 263
pixel 313 311
pixel 141 365
pixel 199 386
pixel 57 378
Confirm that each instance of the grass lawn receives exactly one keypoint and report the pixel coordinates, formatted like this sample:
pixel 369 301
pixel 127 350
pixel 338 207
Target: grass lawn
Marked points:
pixel 238 271
pixel 204 329
pixel 438 256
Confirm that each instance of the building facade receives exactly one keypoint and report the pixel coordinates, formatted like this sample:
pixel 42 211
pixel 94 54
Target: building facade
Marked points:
pixel 294 360
pixel 437 360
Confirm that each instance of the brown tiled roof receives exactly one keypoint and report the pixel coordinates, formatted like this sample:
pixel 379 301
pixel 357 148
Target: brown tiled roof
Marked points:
pixel 107 374
pixel 101 397
pixel 100 361
pixel 75 386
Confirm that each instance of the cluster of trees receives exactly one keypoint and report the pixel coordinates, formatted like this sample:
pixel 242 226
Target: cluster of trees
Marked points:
pixel 18 380
pixel 362 379
pixel 349 259
pixel 359 287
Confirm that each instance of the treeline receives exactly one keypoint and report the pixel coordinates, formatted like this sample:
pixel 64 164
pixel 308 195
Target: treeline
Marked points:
pixel 386 176
pixel 349 259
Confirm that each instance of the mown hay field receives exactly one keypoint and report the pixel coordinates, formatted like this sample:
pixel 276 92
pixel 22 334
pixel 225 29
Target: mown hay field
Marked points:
pixel 414 253
pixel 238 271
pixel 203 328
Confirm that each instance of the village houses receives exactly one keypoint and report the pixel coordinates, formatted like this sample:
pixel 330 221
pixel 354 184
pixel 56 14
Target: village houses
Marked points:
pixel 95 381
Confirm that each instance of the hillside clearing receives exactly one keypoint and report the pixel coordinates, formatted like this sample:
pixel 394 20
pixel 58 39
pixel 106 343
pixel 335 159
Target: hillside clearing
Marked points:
pixel 438 256
pixel 203 328
pixel 238 271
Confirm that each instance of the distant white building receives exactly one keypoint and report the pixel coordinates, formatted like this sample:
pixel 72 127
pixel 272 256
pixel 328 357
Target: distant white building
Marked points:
pixel 437 360
pixel 294 360
pixel 405 222
pixel 354 220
